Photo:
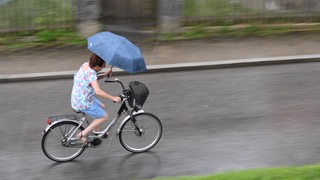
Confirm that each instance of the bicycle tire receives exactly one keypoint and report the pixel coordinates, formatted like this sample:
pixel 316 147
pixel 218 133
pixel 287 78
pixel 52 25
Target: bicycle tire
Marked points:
pixel 133 140
pixel 52 142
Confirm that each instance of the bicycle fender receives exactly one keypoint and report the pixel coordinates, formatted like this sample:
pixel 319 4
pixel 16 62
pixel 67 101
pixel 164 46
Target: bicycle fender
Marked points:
pixel 58 121
pixel 128 117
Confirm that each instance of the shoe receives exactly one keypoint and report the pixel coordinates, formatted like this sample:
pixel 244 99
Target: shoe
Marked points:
pixel 96 132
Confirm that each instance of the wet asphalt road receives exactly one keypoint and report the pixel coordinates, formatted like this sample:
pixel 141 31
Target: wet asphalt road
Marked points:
pixel 214 121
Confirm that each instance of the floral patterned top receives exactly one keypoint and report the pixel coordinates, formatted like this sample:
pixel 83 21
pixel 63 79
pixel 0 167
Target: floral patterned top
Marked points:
pixel 82 95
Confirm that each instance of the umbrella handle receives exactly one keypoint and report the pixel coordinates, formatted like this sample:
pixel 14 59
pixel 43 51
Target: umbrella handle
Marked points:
pixel 109 75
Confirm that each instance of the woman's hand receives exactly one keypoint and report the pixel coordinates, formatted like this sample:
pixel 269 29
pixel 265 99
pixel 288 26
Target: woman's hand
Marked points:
pixel 116 99
pixel 107 73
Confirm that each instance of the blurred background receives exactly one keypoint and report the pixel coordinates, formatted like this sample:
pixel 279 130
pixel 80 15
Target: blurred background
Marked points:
pixel 27 23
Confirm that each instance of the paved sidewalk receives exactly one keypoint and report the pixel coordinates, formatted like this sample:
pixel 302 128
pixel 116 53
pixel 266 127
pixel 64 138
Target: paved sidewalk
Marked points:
pixel 62 62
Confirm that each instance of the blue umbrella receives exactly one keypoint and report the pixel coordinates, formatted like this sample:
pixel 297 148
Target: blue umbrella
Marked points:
pixel 117 51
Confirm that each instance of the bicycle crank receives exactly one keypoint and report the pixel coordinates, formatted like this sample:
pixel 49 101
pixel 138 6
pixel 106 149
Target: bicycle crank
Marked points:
pixel 94 141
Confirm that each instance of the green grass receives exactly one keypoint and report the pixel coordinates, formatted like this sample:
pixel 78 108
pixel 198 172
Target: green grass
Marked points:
pixel 284 173
pixel 225 12
pixel 212 8
pixel 61 35
pixel 195 32
pixel 38 14
pixel 201 31
pixel 45 38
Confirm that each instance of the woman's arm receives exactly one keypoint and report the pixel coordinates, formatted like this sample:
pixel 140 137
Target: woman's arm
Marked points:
pixel 101 93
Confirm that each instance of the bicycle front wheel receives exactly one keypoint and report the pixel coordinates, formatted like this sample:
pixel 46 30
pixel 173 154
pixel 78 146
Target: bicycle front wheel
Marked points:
pixel 142 134
pixel 60 144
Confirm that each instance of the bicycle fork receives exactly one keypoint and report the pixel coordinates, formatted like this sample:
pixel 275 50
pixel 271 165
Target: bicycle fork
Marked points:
pixel 134 122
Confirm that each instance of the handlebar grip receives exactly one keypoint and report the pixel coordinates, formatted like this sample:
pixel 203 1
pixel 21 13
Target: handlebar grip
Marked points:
pixel 109 81
pixel 121 98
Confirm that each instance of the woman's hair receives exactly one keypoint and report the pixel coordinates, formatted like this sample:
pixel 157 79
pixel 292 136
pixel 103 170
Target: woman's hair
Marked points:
pixel 96 61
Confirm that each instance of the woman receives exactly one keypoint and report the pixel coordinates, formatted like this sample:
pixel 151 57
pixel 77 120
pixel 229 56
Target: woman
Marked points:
pixel 85 87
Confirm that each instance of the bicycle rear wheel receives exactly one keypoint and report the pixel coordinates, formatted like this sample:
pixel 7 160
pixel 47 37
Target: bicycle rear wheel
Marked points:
pixel 55 144
pixel 142 134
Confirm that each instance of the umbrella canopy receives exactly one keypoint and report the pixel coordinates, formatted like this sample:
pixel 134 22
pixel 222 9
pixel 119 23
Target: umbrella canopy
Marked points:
pixel 117 51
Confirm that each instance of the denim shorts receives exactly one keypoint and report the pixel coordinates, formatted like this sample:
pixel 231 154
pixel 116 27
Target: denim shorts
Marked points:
pixel 95 110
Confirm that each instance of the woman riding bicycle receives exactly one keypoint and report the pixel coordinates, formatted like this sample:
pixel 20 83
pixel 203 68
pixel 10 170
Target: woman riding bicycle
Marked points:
pixel 84 91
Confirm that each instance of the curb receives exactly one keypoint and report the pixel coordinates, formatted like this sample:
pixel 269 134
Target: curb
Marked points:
pixel 172 67
pixel 234 63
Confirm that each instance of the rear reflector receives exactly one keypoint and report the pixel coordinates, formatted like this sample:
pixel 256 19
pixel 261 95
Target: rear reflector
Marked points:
pixel 48 121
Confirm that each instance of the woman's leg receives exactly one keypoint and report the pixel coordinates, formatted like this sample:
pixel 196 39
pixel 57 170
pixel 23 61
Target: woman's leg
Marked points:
pixel 94 125
pixel 97 112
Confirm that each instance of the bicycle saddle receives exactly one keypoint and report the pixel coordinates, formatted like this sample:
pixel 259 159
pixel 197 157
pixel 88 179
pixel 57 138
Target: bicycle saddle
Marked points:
pixel 77 111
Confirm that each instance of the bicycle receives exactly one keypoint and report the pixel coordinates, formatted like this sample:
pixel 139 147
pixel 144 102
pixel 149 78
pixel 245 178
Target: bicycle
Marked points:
pixel 138 131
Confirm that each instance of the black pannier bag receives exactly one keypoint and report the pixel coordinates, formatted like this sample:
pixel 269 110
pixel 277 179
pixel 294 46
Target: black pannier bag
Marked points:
pixel 139 94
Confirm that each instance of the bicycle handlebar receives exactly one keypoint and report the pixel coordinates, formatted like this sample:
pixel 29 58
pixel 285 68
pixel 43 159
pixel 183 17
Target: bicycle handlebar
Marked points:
pixel 116 80
pixel 125 92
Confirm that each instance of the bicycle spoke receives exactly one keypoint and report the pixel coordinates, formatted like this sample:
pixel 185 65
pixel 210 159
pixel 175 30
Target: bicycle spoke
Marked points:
pixel 55 133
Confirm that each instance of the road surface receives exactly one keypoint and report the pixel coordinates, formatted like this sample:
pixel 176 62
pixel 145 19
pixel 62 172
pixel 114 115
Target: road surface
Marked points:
pixel 214 121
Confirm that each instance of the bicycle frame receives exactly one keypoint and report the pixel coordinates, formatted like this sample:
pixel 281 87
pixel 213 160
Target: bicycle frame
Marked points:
pixel 123 109
pixel 129 114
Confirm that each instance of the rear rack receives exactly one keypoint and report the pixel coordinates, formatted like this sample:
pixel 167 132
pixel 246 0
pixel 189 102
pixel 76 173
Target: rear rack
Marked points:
pixel 64 117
